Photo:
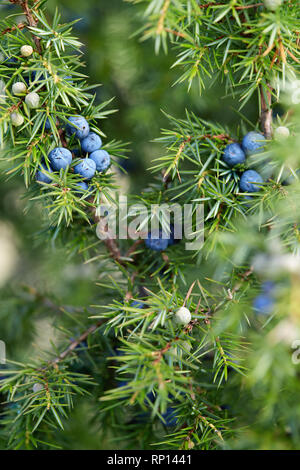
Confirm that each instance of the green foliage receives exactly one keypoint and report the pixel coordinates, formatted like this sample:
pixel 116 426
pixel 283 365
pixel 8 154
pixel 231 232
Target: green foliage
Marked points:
pixel 238 42
pixel 128 371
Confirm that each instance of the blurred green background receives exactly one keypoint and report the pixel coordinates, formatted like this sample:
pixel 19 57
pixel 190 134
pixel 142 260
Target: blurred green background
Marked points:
pixel 142 84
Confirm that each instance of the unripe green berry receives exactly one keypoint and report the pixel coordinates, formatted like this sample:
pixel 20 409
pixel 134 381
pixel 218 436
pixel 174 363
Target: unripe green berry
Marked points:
pixel 272 4
pixel 281 132
pixel 183 316
pixel 16 119
pixel 26 51
pixel 186 346
pixel 19 88
pixel 32 100
pixel 37 387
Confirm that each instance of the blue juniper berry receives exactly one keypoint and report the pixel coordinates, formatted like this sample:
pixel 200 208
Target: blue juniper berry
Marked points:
pixel 253 142
pixel 234 155
pixel 86 168
pixel 157 240
pixel 101 159
pixel 79 126
pixel 91 143
pixel 263 304
pixel 60 157
pixel 250 181
pixel 82 187
pixel 41 176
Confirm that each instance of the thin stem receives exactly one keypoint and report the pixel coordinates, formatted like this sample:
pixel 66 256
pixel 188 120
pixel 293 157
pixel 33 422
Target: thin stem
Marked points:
pixel 160 25
pixel 266 111
pixel 109 242
pixel 19 26
pixel 73 345
pixel 243 7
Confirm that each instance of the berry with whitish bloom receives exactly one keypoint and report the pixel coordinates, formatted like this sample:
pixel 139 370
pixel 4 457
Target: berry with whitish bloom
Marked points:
pixel 234 154
pixel 26 51
pixel 41 176
pixel 16 119
pixel 281 132
pixel 157 240
pixel 250 181
pixel 60 158
pixel 101 158
pixel 86 168
pixel 79 126
pixel 183 316
pixel 272 4
pixel 32 100
pixel 253 142
pixel 19 88
pixel 263 304
pixel 37 388
pixel 91 143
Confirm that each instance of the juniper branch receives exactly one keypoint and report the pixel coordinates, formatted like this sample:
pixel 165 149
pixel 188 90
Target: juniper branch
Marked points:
pixel 75 343
pixel 19 26
pixel 31 20
pixel 266 111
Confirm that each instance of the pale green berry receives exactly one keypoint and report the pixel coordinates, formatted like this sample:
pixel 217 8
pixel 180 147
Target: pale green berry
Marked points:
pixel 272 4
pixel 26 51
pixel 186 348
pixel 37 387
pixel 32 100
pixel 19 88
pixel 183 316
pixel 16 119
pixel 2 58
pixel 281 132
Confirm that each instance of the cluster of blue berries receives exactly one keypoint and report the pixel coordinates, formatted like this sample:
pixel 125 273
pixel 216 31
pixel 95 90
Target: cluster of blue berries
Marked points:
pixel 61 158
pixel 235 154
pixel 264 302
pixel 158 240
